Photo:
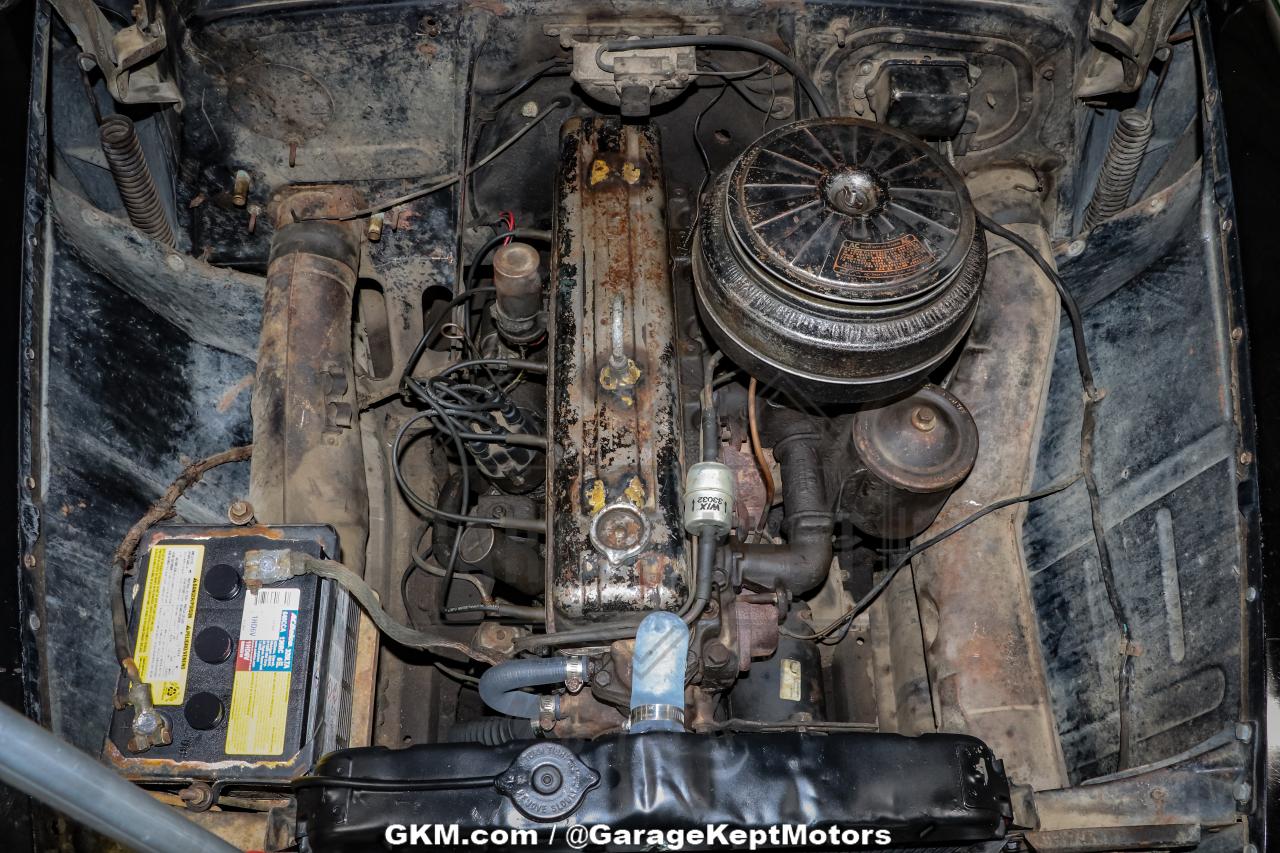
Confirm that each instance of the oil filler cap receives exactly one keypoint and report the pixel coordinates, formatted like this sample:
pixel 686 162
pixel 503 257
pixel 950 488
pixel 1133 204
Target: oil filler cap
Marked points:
pixel 547 782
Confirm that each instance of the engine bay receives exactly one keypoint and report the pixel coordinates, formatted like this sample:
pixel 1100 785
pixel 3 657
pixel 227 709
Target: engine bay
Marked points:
pixel 504 415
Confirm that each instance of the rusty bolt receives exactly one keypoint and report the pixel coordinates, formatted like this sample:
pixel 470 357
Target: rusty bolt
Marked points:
pixel 240 512
pixel 254 212
pixel 924 418
pixel 716 655
pixel 29 561
pixel 197 796
pixel 240 192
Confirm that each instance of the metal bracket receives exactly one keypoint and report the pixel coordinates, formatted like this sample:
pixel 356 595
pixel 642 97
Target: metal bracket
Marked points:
pixel 130 59
pixel 1121 54
pixel 1209 785
pixel 578 29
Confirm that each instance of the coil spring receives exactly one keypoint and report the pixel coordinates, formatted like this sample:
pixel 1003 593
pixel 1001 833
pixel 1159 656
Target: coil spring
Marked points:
pixel 133 179
pixel 1120 167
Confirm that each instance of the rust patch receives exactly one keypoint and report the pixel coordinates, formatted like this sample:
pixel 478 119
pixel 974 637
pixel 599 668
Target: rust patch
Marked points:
pixel 228 398
pixel 618 425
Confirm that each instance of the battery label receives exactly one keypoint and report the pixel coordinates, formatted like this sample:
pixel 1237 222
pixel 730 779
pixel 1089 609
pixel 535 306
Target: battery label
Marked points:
pixel 163 648
pixel 264 669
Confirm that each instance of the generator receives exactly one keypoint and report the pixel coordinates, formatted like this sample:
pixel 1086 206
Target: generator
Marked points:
pixel 254 684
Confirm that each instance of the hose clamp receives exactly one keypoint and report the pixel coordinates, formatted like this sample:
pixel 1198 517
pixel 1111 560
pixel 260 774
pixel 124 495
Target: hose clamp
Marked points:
pixel 642 713
pixel 576 674
pixel 548 712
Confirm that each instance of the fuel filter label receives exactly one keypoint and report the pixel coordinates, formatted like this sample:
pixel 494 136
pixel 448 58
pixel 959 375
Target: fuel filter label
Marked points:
pixel 163 647
pixel 264 670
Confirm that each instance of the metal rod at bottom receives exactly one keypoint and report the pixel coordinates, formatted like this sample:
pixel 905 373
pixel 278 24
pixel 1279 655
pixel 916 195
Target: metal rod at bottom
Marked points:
pixel 50 769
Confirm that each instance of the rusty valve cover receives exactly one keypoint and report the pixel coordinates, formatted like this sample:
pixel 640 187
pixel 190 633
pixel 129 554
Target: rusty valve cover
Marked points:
pixel 614 485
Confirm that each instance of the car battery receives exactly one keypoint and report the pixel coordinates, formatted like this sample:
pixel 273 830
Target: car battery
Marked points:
pixel 255 685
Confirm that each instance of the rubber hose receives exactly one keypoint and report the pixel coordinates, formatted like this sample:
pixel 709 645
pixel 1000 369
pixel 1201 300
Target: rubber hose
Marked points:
pixel 706 566
pixel 501 687
pixel 490 731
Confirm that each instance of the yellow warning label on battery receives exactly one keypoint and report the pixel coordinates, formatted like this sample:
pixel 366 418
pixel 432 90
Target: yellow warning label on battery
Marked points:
pixel 163 647
pixel 259 713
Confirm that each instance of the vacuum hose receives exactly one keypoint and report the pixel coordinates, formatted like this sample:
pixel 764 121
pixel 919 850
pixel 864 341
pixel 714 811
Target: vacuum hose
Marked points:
pixel 490 731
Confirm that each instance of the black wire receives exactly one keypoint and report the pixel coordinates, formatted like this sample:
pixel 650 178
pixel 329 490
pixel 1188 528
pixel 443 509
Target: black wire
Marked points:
pixel 404 593
pixel 1088 421
pixel 446 181
pixel 510 90
pixel 419 562
pixel 881 585
pixel 706 162
pixel 502 363
pixel 456 547
pixel 725 43
pixel 514 612
pixel 462 519
pixel 428 335
pixel 509 523
pixel 1068 301
pixel 367 784
pixel 442 417
pixel 739 85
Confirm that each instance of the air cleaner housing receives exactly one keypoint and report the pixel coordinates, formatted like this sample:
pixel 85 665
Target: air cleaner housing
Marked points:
pixel 839 259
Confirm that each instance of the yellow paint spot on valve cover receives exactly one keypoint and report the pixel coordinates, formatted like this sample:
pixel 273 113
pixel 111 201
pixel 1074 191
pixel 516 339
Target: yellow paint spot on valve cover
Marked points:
pixel 599 171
